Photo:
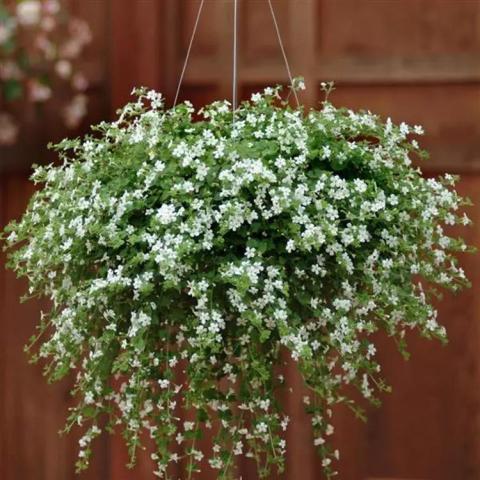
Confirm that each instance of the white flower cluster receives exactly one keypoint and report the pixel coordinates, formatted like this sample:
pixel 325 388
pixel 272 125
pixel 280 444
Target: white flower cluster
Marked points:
pixel 183 258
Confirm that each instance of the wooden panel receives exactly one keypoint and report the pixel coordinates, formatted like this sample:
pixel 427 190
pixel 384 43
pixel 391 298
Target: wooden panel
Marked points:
pixel 450 114
pixel 377 40
pixel 31 411
pixel 429 428
pixel 206 38
pixel 260 57
pixel 379 28
pixel 136 47
pixel 199 95
pixel 303 53
pixel 257 18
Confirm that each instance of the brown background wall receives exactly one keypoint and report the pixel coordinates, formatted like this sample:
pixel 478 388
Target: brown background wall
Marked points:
pixel 413 60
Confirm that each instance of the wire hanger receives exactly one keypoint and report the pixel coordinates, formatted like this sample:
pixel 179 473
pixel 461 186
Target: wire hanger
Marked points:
pixel 235 54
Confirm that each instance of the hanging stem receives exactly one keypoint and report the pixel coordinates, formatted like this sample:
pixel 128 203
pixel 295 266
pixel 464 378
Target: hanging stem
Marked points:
pixel 227 466
pixel 191 459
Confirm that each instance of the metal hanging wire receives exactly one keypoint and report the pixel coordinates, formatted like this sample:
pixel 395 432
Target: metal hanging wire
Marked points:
pixel 185 63
pixel 235 58
pixel 284 54
pixel 235 54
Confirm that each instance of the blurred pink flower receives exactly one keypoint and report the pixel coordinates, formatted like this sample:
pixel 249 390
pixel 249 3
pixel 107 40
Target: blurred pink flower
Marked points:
pixel 75 111
pixel 39 92
pixel 48 24
pixel 5 33
pixel 81 36
pixel 9 70
pixel 46 46
pixel 8 130
pixel 63 68
pixel 51 6
pixel 80 82
pixel 71 49
pixel 80 30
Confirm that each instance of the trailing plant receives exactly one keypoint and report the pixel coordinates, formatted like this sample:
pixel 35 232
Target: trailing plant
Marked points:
pixel 187 256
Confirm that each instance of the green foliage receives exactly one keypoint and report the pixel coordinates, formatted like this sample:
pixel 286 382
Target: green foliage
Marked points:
pixel 184 260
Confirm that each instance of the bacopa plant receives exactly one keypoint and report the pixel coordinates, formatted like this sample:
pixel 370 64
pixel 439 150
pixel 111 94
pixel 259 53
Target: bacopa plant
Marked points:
pixel 188 254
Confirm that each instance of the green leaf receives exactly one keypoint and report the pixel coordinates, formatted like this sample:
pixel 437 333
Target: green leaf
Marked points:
pixel 12 90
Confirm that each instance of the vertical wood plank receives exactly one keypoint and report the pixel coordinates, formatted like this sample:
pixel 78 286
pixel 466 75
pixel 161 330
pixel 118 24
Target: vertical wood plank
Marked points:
pixel 303 24
pixel 3 373
pixel 32 412
pixel 135 47
pixel 224 18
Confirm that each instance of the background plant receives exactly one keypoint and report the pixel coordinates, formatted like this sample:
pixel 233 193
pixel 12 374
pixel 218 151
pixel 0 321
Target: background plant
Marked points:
pixel 185 257
pixel 40 44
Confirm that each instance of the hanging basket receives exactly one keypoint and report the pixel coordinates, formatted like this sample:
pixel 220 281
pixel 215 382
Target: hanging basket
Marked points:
pixel 185 258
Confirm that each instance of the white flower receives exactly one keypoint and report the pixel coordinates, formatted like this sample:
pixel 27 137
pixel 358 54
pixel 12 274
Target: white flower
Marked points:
pixel 290 246
pixel 164 383
pixel 418 129
pixel 138 321
pixel 404 129
pixel 12 237
pixel 28 12
pixel 89 398
pixel 187 426
pixel 326 152
pixel 262 427
pixel 166 214
pixel 360 185
pixel 301 85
